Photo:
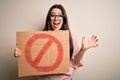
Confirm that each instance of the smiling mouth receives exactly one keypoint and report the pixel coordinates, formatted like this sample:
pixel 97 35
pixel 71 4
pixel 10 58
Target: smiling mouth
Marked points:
pixel 56 24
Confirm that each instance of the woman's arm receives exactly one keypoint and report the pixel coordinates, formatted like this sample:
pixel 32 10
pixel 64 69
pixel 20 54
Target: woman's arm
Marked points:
pixel 85 46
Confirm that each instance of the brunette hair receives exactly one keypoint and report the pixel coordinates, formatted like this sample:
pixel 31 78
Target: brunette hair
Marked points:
pixel 65 25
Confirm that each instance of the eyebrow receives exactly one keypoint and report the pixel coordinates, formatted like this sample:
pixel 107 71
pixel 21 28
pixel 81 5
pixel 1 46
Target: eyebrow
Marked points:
pixel 55 13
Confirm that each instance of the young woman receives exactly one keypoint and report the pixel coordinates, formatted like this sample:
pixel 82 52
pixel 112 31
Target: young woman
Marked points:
pixel 57 20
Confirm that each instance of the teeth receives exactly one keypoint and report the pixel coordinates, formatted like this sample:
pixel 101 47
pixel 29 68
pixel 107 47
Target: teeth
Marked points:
pixel 56 23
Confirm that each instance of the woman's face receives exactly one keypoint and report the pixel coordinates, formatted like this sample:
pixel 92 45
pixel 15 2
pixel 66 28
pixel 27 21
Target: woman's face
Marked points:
pixel 56 19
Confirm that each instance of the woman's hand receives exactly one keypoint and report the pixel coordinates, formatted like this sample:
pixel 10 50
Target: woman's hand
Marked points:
pixel 90 43
pixel 17 52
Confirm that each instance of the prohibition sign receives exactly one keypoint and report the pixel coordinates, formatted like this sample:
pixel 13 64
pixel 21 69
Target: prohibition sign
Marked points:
pixel 34 63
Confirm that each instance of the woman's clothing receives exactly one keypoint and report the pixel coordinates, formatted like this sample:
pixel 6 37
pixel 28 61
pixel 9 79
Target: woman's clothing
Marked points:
pixel 72 66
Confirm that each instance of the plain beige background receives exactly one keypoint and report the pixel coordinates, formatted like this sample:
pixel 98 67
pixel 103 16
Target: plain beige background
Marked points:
pixel 86 17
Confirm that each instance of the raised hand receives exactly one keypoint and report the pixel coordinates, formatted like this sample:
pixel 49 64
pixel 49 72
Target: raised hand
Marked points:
pixel 92 42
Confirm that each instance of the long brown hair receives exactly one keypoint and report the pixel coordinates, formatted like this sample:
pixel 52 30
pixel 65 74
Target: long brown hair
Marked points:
pixel 65 25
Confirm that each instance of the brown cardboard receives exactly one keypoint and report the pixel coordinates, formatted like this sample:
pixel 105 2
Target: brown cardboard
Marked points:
pixel 43 52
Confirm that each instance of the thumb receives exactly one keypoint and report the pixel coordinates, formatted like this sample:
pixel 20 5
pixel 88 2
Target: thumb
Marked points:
pixel 83 39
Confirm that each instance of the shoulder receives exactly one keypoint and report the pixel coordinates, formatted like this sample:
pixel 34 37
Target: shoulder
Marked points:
pixel 73 36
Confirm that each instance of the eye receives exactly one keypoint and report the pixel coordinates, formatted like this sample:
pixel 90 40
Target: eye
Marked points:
pixel 52 15
pixel 60 15
pixel 56 16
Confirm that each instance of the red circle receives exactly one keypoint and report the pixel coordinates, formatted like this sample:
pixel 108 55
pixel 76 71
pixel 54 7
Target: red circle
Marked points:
pixel 42 52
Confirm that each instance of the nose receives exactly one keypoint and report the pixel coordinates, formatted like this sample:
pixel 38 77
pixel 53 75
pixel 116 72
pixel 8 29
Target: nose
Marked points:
pixel 56 17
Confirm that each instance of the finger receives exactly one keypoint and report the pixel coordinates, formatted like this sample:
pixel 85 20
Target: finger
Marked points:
pixel 18 49
pixel 95 45
pixel 96 40
pixel 15 55
pixel 94 37
pixel 17 52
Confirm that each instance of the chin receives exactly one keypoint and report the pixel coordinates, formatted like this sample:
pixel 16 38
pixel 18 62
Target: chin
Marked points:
pixel 56 29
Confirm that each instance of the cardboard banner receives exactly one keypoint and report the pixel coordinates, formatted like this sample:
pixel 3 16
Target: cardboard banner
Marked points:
pixel 43 52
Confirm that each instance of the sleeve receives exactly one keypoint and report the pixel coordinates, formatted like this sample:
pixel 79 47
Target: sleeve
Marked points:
pixel 75 51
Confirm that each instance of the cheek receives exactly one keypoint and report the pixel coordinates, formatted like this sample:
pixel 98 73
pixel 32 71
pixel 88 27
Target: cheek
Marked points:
pixel 61 23
pixel 51 22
